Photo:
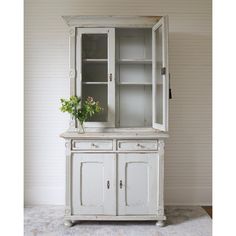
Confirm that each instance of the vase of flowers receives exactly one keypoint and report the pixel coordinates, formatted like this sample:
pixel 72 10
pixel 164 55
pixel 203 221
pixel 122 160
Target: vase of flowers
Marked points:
pixel 80 111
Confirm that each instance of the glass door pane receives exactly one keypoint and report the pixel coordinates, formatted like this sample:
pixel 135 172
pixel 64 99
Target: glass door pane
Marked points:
pixel 95 71
pixel 160 76
pixel 95 59
pixel 99 93
pixel 94 46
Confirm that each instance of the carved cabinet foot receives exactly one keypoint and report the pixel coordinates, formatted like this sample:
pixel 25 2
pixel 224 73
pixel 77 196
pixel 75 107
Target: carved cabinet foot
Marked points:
pixel 68 223
pixel 160 223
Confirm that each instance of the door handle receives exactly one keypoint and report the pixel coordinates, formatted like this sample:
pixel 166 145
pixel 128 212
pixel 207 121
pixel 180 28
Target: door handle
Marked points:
pixel 121 184
pixel 108 184
pixel 110 77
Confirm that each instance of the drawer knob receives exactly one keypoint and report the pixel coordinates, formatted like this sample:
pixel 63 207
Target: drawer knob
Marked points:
pixel 94 145
pixel 139 145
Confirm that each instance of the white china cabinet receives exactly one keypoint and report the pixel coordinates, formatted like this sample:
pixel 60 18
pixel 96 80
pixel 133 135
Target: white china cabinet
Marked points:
pixel 115 170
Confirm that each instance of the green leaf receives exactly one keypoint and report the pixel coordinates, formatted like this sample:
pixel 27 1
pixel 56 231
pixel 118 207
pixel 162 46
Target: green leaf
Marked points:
pixel 80 110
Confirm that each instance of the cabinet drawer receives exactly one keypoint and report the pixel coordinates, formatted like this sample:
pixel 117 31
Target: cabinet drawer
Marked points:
pixel 92 145
pixel 137 145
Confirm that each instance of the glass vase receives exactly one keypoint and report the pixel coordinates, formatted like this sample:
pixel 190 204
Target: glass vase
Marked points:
pixel 80 128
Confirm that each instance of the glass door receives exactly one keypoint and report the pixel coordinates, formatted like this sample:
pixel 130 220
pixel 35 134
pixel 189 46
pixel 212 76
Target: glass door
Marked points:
pixel 95 68
pixel 160 74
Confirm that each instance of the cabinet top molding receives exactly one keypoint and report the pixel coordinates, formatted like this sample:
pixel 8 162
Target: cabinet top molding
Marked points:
pixel 111 21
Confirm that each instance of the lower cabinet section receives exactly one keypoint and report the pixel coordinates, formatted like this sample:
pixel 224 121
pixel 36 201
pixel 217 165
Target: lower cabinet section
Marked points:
pixel 93 184
pixel 125 182
pixel 137 184
pixel 114 184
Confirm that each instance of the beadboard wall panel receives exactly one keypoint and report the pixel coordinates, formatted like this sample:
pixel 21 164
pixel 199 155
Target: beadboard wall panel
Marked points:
pixel 188 151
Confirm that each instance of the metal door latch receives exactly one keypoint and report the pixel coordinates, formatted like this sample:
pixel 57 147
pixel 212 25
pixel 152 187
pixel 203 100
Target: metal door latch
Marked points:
pixel 121 184
pixel 110 77
pixel 163 71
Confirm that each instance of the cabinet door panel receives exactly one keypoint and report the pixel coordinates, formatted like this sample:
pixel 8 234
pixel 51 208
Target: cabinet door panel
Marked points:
pixel 160 75
pixel 93 184
pixel 137 184
pixel 136 177
pixel 92 178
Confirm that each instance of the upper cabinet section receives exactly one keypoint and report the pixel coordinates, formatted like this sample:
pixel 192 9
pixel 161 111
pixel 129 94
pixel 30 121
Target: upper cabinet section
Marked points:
pixel 123 63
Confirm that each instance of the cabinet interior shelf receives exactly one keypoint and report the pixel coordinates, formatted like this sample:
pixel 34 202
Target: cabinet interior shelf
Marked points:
pixel 120 61
pixel 101 83
pixel 134 61
pixel 133 83
pixel 95 60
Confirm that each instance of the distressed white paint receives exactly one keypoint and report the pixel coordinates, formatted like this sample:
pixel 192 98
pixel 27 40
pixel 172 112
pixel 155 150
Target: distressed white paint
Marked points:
pixel 114 218
pixel 137 145
pixel 133 56
pixel 162 106
pixel 94 187
pixel 188 151
pixel 89 145
pixel 137 183
pixel 110 33
pixel 144 133
pixel 111 21
pixel 106 183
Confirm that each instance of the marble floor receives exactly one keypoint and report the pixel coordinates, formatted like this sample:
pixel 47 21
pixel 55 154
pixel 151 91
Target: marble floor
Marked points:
pixel 182 221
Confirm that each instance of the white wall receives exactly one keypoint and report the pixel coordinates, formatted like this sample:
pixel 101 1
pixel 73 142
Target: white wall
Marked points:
pixel 188 151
